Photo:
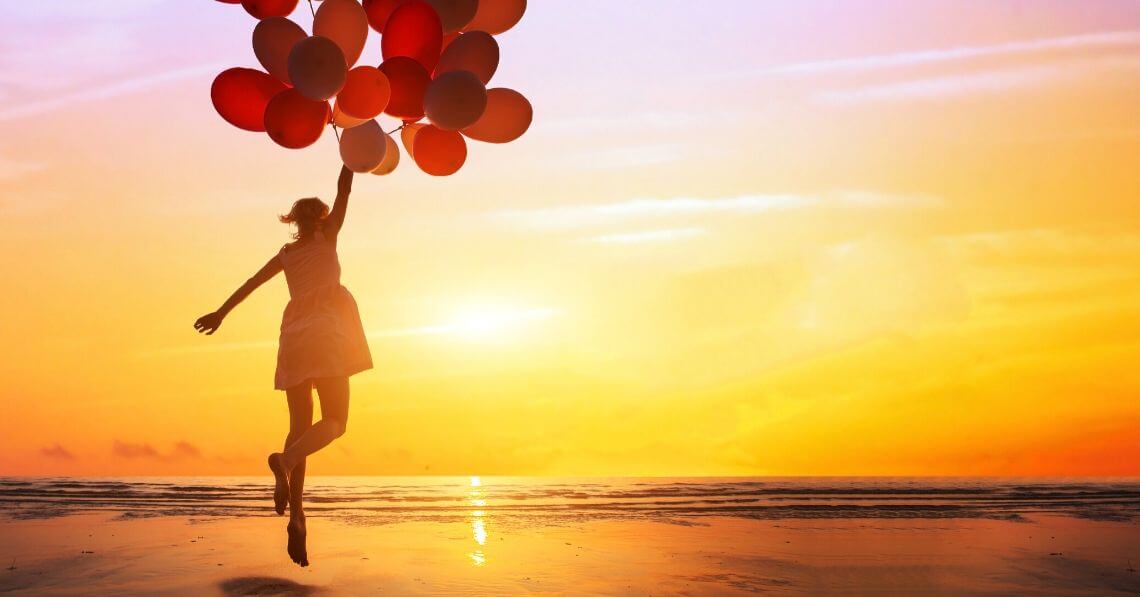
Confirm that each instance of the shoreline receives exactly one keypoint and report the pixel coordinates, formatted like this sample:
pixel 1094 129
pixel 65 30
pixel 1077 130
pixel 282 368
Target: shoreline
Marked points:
pixel 108 553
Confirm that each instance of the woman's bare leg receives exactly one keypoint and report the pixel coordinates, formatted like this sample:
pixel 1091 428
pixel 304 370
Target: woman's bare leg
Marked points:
pixel 333 393
pixel 300 420
pixel 300 411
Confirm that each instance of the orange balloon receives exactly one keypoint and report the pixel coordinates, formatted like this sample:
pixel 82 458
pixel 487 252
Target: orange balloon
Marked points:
pixel 295 121
pixel 366 93
pixel 273 39
pixel 507 117
pixel 391 157
pixel 344 22
pixel 455 100
pixel 408 136
pixel 362 148
pixel 240 95
pixel 496 16
pixel 264 9
pixel 439 152
pixel 409 80
pixel 454 14
pixel 343 120
pixel 474 51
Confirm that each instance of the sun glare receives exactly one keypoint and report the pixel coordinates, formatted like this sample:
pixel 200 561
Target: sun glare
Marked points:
pixel 481 324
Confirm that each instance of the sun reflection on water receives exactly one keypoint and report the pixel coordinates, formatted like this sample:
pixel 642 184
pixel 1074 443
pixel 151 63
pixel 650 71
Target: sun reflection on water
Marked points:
pixel 475 497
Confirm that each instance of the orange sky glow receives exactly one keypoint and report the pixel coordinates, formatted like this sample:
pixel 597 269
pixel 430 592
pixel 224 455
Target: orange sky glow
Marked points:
pixel 744 238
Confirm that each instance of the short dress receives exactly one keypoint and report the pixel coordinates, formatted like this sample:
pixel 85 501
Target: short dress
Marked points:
pixel 321 333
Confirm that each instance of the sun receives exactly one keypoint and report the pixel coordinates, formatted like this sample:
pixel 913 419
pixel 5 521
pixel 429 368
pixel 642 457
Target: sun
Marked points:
pixel 491 323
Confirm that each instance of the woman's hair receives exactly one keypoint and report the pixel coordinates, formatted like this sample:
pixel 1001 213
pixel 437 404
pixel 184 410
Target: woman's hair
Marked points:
pixel 308 214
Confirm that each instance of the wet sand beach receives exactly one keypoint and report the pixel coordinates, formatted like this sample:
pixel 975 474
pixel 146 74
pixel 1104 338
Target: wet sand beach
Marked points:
pixel 554 547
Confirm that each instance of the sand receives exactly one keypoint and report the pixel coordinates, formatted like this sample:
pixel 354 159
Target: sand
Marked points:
pixel 109 554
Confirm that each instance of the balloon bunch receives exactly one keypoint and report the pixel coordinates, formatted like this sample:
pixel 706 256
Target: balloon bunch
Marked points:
pixel 438 57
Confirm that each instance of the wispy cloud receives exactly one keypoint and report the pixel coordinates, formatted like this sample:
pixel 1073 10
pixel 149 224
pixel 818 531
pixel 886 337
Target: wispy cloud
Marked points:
pixel 573 216
pixel 11 169
pixel 647 236
pixel 131 451
pixel 861 64
pixel 968 84
pixel 617 158
pixel 124 87
pixel 57 452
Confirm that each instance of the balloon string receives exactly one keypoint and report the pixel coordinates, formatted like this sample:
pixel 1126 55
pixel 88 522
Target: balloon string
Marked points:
pixel 336 131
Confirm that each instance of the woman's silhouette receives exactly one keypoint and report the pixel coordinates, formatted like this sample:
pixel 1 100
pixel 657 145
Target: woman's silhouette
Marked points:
pixel 322 344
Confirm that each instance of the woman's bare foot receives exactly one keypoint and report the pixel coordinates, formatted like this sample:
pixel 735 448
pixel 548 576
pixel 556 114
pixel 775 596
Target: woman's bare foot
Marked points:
pixel 281 474
pixel 297 534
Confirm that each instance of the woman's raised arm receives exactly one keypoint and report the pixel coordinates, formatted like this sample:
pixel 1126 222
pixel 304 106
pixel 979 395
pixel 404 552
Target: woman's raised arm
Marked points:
pixel 340 205
pixel 209 323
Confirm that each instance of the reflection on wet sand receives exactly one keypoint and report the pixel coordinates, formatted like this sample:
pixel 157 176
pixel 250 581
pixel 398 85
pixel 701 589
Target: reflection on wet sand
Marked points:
pixel 478 521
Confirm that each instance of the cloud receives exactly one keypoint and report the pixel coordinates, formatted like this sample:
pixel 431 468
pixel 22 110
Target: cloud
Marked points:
pixel 861 64
pixel 57 452
pixel 132 451
pixel 647 236
pixel 968 84
pixel 124 87
pixel 12 169
pixel 617 158
pixel 572 216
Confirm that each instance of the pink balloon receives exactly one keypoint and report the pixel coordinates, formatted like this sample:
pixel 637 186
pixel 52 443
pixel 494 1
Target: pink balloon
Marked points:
pixel 362 148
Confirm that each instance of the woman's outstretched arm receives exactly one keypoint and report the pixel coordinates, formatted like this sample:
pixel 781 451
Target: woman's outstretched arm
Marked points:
pixel 340 206
pixel 210 322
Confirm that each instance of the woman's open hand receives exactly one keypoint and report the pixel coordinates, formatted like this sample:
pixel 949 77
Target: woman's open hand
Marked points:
pixel 209 323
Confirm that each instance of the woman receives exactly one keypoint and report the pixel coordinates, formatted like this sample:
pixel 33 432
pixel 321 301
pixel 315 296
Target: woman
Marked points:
pixel 322 343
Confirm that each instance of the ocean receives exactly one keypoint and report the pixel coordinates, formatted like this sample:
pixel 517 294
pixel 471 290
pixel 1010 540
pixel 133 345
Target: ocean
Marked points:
pixel 529 500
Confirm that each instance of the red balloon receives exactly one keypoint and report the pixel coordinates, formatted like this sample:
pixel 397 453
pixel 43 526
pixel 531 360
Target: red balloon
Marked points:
pixel 263 9
pixel 455 100
pixel 454 14
pixel 409 81
pixel 475 51
pixel 507 116
pixel 317 68
pixel 439 152
pixel 496 16
pixel 365 94
pixel 295 121
pixel 240 96
pixel 378 12
pixel 413 30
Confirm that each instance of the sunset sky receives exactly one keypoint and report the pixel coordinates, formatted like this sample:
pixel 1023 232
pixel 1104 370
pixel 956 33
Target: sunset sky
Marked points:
pixel 741 238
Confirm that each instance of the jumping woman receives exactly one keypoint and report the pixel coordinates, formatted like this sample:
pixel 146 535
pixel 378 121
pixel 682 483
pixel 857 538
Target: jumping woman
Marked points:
pixel 322 343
